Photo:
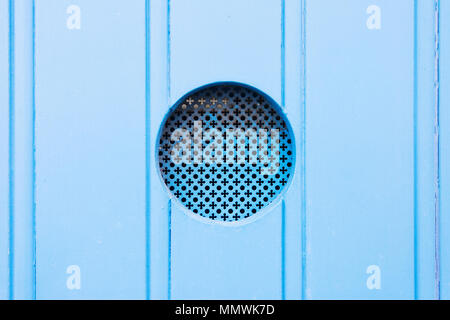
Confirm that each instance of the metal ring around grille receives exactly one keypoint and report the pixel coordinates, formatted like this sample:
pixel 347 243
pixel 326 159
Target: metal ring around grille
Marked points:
pixel 226 152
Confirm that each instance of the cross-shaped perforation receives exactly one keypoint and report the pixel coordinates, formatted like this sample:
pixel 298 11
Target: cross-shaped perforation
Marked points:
pixel 225 183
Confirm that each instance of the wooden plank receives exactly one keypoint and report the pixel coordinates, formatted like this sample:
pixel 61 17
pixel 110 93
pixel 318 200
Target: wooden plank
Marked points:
pixel 90 149
pixel 444 103
pixel 370 150
pixel 22 259
pixel 159 104
pixel 360 150
pixel 294 198
pixel 4 150
pixel 225 41
pixel 424 152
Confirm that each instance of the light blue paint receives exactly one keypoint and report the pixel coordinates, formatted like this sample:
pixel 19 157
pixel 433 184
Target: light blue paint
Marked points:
pixel 359 149
pixel 4 150
pixel 22 268
pixel 208 44
pixel 293 219
pixel 11 153
pixel 90 149
pixel 159 105
pixel 283 105
pixel 361 104
pixel 147 149
pixel 437 150
pixel 444 74
pixel 424 152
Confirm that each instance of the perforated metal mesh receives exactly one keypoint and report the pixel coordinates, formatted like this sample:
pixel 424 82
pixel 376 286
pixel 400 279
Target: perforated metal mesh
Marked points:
pixel 225 152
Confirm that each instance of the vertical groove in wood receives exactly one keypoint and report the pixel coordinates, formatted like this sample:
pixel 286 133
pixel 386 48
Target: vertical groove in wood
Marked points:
pixel 302 147
pixel 159 103
pixel 4 149
pixel 283 106
pixel 424 157
pixel 33 181
pixel 21 145
pixel 291 102
pixel 11 152
pixel 147 149
pixel 415 154
pixel 442 147
pixel 437 152
pixel 169 103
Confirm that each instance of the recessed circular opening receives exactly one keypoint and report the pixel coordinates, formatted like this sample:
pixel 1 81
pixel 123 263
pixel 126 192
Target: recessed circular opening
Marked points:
pixel 226 152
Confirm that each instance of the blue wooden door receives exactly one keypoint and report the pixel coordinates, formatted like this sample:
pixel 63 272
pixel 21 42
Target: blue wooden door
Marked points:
pixel 85 88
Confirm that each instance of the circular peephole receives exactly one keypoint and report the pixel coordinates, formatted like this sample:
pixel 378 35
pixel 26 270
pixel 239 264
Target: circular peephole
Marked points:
pixel 226 152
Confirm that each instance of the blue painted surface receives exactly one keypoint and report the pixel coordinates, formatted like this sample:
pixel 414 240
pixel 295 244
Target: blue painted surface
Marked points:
pixel 90 149
pixel 4 149
pixel 203 51
pixel 158 207
pixel 294 222
pixel 425 259
pixel 444 134
pixel 21 142
pixel 359 149
pixel 87 106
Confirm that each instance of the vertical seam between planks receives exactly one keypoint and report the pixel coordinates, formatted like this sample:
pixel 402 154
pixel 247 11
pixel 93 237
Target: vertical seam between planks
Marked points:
pixel 283 54
pixel 169 273
pixel 283 102
pixel 283 250
pixel 437 151
pixel 33 142
pixel 169 280
pixel 11 149
pixel 415 101
pixel 147 149
pixel 303 147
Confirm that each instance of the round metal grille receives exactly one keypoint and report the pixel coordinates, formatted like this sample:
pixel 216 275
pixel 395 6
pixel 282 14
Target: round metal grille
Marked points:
pixel 225 152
